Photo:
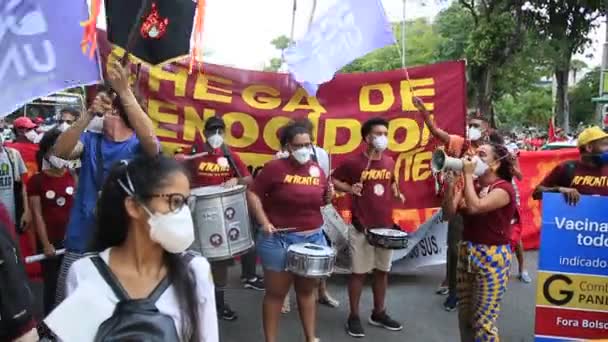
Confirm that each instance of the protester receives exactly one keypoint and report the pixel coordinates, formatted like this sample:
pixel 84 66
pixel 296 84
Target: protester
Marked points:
pixel 127 131
pixel 51 192
pixel 372 207
pixel 488 206
pixel 221 166
pixel 144 225
pixel 67 117
pixel 25 131
pixel 478 132
pixel 13 193
pixel 586 176
pixel 321 157
pixel 279 202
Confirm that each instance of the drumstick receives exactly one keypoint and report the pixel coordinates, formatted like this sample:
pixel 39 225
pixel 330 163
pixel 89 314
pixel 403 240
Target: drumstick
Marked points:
pixel 39 257
pixel 196 155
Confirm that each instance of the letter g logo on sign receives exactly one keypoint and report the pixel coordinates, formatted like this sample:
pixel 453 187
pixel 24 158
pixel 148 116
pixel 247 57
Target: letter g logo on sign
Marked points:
pixel 565 295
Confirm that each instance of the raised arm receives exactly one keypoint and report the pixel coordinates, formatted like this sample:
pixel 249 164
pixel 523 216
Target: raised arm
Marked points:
pixel 118 76
pixel 437 132
pixel 68 145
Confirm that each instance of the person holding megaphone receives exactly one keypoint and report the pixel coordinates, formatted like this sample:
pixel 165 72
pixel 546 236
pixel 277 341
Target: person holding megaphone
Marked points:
pixel 455 147
pixel 487 205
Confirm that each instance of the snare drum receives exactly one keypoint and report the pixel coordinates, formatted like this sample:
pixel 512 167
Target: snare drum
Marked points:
pixel 222 223
pixel 387 238
pixel 334 226
pixel 310 260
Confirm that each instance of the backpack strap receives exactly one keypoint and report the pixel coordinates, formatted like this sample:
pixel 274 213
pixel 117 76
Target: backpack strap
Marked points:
pixel 110 278
pixel 315 158
pixel 159 290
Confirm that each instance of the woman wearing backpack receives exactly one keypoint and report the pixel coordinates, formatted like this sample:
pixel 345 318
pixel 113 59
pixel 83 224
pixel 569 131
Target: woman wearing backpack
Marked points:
pixel 144 225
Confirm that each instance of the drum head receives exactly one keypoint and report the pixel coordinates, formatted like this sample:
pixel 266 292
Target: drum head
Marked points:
pixel 213 190
pixel 388 232
pixel 310 249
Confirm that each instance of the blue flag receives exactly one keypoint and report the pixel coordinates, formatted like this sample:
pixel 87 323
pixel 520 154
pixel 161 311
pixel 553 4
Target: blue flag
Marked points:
pixel 348 30
pixel 40 50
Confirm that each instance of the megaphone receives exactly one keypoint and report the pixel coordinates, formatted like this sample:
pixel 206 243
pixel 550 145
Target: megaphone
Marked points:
pixel 441 162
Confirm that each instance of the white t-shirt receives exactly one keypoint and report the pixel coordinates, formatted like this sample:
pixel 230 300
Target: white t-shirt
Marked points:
pixel 86 288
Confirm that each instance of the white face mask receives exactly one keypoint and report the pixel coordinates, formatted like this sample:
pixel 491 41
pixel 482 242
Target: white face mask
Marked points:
pixel 302 155
pixel 173 231
pixel 474 133
pixel 480 166
pixel 31 135
pixel 96 124
pixel 380 142
pixel 216 140
pixel 63 127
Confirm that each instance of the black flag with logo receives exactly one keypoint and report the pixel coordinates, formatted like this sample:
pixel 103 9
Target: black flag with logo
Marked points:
pixel 155 31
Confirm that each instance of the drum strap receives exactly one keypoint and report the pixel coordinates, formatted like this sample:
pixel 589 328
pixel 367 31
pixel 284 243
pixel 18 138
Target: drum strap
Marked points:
pixel 231 162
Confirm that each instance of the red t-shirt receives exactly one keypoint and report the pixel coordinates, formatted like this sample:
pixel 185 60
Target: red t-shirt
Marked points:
pixel 374 208
pixel 56 198
pixel 588 180
pixel 214 168
pixel 494 227
pixel 28 154
pixel 292 194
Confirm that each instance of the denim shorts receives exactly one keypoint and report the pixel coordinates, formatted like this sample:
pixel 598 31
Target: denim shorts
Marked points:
pixel 272 249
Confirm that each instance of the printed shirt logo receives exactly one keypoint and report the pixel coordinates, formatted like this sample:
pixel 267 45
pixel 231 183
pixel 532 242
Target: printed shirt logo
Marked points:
pixel 301 180
pixel 374 174
pixel 314 171
pixel 591 181
pixel 379 189
pixel 6 178
pixel 214 169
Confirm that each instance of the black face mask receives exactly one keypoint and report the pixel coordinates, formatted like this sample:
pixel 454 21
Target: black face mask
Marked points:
pixel 599 159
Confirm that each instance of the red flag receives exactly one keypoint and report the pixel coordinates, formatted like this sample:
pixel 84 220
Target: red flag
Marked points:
pixel 551 131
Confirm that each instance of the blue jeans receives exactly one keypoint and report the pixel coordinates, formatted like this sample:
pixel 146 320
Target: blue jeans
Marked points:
pixel 272 249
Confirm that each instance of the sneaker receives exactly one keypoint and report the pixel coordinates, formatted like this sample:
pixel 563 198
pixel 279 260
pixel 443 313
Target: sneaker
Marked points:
pixel 354 327
pixel 328 300
pixel 385 321
pixel 442 290
pixel 525 277
pixel 253 284
pixel 450 304
pixel 227 314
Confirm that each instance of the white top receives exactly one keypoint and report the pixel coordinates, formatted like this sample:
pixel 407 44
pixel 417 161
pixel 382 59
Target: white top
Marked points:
pixel 87 290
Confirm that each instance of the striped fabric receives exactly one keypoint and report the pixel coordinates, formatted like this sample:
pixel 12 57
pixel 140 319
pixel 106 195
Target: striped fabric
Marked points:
pixel 68 259
pixel 483 274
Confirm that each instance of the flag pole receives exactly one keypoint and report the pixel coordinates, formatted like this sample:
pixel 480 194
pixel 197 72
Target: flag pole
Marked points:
pixel 133 33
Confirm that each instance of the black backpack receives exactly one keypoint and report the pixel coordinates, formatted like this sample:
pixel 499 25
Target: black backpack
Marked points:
pixel 135 320
pixel 16 297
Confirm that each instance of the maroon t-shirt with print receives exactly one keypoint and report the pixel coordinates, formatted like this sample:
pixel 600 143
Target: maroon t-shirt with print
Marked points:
pixel 292 194
pixel 374 208
pixel 215 169
pixel 588 180
pixel 56 198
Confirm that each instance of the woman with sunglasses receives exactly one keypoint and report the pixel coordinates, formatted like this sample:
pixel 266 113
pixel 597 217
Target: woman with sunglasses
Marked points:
pixel 286 199
pixel 487 207
pixel 144 226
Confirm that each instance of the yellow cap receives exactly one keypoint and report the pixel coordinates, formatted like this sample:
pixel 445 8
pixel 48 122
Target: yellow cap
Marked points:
pixel 591 134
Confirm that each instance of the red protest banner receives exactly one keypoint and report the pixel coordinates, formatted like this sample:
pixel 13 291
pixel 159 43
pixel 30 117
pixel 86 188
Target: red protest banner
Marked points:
pixel 256 104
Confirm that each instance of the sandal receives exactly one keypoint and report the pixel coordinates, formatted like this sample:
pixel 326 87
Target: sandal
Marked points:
pixel 286 305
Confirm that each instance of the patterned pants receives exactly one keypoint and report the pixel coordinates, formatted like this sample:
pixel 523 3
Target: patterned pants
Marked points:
pixel 483 274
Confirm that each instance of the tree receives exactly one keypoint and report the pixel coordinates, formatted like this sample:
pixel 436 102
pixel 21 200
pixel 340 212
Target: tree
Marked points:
pixel 422 44
pixel 581 107
pixel 529 108
pixel 280 43
pixel 565 26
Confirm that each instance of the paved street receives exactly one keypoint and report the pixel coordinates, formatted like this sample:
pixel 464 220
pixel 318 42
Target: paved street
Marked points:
pixel 412 299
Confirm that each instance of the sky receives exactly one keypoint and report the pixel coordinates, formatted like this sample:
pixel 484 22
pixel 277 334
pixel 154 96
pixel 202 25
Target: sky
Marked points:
pixel 238 32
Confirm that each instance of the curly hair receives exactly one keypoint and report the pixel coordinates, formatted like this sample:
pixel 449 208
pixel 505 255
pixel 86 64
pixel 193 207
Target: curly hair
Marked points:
pixel 505 170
